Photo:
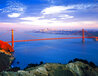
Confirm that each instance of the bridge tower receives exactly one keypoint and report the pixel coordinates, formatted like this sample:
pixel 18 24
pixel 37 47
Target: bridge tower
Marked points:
pixel 96 38
pixel 12 38
pixel 83 35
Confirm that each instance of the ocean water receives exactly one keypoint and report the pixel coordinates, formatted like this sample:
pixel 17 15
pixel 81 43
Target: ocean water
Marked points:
pixel 51 51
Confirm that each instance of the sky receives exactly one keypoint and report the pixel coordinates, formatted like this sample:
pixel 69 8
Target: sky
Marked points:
pixel 52 14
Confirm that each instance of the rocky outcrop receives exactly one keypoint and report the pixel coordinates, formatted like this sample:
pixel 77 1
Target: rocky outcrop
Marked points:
pixel 6 57
pixel 82 69
pixel 77 68
pixel 5 61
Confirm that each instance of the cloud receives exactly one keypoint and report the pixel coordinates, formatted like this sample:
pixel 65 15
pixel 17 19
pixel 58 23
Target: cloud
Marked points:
pixel 38 22
pixel 62 25
pixel 55 2
pixel 54 16
pixel 65 16
pixel 53 10
pixel 50 14
pixel 32 18
pixel 66 9
pixel 55 25
pixel 51 1
pixel 14 6
pixel 69 11
pixel 42 20
pixel 14 15
pixel 9 26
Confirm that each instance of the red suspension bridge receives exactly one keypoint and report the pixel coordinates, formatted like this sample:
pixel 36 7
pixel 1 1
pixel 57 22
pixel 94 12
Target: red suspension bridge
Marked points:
pixel 82 37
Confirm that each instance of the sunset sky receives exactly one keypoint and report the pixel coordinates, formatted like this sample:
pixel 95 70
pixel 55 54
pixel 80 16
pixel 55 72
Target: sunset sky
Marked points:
pixel 39 14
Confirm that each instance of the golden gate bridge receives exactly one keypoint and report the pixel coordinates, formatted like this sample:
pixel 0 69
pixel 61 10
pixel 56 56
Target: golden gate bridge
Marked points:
pixel 82 37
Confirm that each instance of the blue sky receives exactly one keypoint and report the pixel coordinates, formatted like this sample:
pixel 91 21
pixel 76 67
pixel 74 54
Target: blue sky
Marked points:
pixel 39 14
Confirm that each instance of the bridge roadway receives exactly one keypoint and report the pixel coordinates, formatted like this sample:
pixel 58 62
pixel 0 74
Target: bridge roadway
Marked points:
pixel 49 39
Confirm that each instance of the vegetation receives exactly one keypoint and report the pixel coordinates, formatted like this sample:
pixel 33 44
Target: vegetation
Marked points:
pixel 0 48
pixel 15 69
pixel 33 65
pixel 84 61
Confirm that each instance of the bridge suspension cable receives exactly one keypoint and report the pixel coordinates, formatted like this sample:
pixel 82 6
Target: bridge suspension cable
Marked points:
pixel 75 33
pixel 90 34
pixel 4 34
pixel 28 34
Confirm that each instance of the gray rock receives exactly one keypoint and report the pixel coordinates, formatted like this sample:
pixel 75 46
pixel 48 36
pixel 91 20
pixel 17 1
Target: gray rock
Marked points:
pixel 71 69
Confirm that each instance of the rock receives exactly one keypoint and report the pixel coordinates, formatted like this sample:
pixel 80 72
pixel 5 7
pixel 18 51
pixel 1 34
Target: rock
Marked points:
pixel 72 69
pixel 82 69
pixel 5 61
pixel 6 57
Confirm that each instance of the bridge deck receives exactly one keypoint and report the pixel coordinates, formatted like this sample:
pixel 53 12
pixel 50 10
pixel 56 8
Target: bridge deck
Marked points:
pixel 49 39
